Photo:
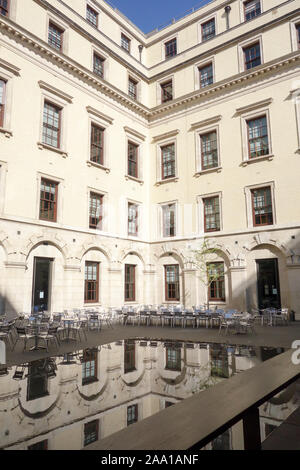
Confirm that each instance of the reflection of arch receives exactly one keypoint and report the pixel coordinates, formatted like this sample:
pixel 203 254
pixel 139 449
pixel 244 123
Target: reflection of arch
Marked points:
pixel 92 247
pixel 53 240
pixel 135 382
pixel 132 253
pixel 39 414
pixel 95 396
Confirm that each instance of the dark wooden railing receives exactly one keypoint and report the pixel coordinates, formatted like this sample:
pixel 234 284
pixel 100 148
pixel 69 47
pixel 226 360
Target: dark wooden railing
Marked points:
pixel 196 421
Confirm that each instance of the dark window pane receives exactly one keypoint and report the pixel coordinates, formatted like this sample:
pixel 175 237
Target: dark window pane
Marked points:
pixel 171 48
pixel 208 30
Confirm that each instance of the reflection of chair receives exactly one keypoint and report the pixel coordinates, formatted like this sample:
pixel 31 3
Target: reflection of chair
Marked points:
pixel 227 322
pixel 246 323
pixel 23 334
pixel 94 322
pixel 49 335
pixel 281 317
pixel 6 334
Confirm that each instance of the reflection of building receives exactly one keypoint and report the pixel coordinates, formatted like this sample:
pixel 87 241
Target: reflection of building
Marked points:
pixel 71 401
pixel 128 147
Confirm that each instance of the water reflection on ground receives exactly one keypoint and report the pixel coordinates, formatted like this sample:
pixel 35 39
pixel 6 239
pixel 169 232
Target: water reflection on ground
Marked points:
pixel 70 401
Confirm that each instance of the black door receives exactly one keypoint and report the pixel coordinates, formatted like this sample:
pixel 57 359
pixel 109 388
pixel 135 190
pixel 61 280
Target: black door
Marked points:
pixel 268 288
pixel 41 284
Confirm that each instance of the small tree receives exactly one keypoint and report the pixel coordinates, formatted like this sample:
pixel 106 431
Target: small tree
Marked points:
pixel 200 259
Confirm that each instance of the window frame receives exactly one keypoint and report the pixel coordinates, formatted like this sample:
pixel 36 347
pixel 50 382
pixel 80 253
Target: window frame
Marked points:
pixel 165 84
pixel 202 134
pixel 253 207
pixel 136 414
pixel 7 9
pixel 91 9
pixel 176 283
pixel 130 284
pixel 164 228
pixel 201 226
pixel 130 143
pixel 129 356
pixel 251 115
pixel 244 3
pixel 89 356
pixel 173 364
pixel 97 283
pixel 201 67
pixel 59 129
pixel 99 197
pixel 249 205
pixel 137 212
pixel 169 56
pixel 244 45
pixel 173 162
pixel 48 180
pixel 3 104
pixel 61 31
pixel 131 80
pixel 247 47
pixel 94 125
pixel 89 423
pixel 127 40
pixel 295 34
pixel 254 138
pixel 205 22
pixel 218 229
pixel 216 299
pixel 96 55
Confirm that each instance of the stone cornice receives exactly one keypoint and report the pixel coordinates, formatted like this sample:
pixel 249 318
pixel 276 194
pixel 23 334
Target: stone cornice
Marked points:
pixel 205 122
pixel 81 73
pixel 55 91
pixel 10 67
pixel 258 104
pixel 100 115
pixel 166 135
pixel 135 133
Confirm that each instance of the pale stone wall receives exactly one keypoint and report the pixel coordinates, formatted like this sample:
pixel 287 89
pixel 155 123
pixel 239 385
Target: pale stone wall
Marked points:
pixel 34 71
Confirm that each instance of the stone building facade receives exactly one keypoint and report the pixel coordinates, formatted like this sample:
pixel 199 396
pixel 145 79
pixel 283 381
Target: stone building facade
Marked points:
pixel 120 152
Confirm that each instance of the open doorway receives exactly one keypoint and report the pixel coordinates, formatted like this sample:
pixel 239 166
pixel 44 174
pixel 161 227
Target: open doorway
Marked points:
pixel 41 292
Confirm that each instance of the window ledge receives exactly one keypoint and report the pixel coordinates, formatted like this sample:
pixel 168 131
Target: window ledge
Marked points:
pixel 98 165
pixel 167 180
pixel 216 169
pixel 257 159
pixel 6 132
pixel 138 180
pixel 43 146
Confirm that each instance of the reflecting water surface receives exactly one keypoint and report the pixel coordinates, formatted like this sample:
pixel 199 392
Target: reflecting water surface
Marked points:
pixel 70 401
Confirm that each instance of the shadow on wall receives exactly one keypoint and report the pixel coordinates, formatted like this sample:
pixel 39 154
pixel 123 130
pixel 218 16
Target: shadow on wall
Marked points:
pixel 7 308
pixel 245 292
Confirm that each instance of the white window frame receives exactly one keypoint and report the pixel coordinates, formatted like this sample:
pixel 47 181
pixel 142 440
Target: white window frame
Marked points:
pixel 136 138
pixel 249 212
pixel 97 10
pixel 247 43
pixel 198 65
pixel 138 86
pixel 161 219
pixel 294 42
pixel 128 36
pixel 242 11
pixel 200 211
pixel 8 72
pixel 159 146
pixel 163 48
pixel 244 129
pixel 104 194
pixel 198 134
pixel 61 25
pixel 98 52
pixel 158 88
pixel 203 21
pixel 61 100
pixel 104 121
pixel 60 198
pixel 139 219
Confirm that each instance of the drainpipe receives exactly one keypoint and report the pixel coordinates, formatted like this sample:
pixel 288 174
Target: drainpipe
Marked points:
pixel 140 51
pixel 227 11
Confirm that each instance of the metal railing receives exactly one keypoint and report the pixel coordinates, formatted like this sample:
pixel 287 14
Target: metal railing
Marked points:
pixel 196 421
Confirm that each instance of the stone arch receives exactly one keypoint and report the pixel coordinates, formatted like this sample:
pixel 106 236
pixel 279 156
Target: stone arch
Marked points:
pixel 263 239
pixel 170 251
pixel 92 246
pixel 38 240
pixel 137 253
pixel 4 242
